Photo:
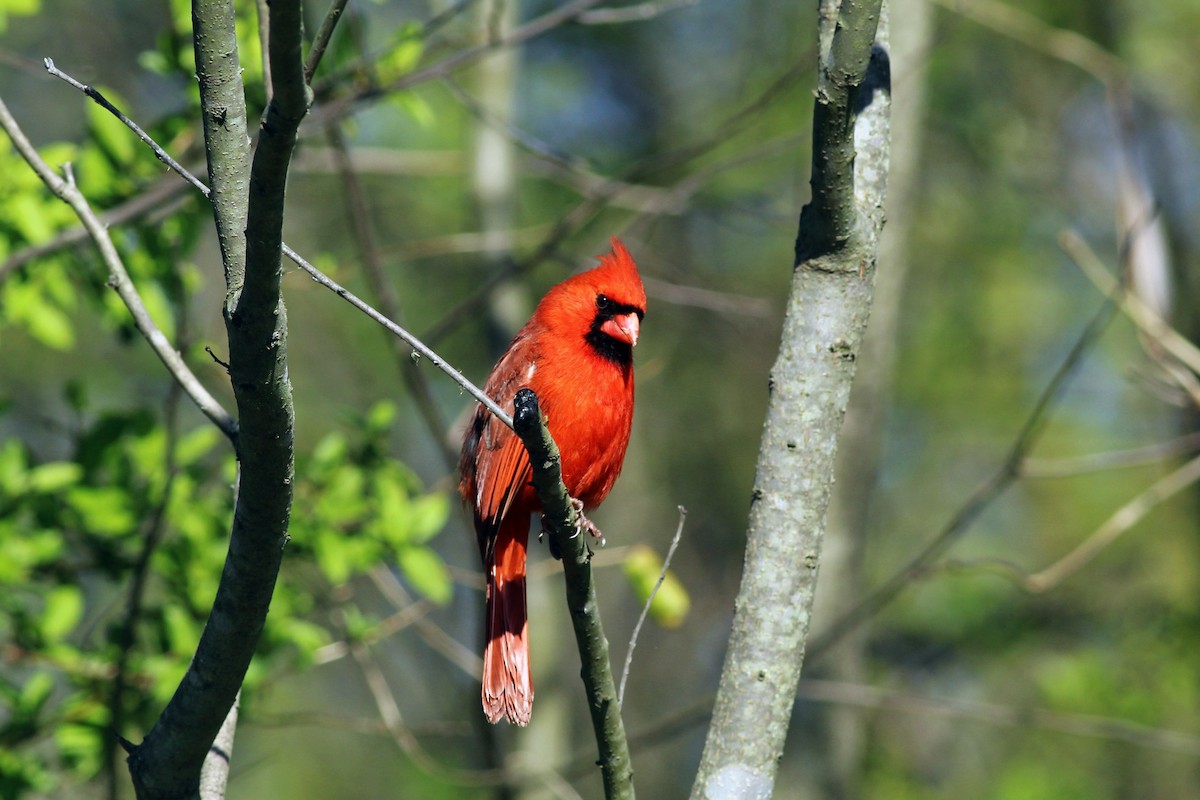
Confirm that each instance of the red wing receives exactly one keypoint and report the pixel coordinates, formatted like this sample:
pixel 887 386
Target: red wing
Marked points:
pixel 494 458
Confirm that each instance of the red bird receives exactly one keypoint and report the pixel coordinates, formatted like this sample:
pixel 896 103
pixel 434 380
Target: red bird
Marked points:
pixel 576 353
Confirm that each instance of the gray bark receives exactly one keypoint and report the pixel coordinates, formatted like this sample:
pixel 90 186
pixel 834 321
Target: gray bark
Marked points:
pixel 809 388
pixel 860 445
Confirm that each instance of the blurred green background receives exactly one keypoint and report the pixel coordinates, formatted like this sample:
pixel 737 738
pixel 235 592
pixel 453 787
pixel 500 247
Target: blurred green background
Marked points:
pixel 967 685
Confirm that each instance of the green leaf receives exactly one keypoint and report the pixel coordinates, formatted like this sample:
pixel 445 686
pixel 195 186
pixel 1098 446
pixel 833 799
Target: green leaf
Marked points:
pixel 102 510
pixel 407 47
pixel 35 693
pixel 329 452
pixel 196 444
pixel 62 612
pixel 183 632
pixel 13 475
pixel 159 307
pixel 25 213
pixel 428 516
pixel 306 636
pixel 427 573
pixel 672 602
pixel 54 477
pixel 380 417
pixel 20 8
pixel 45 322
pixel 80 746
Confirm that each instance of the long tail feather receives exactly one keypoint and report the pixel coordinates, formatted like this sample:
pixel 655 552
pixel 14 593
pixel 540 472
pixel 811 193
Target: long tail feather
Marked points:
pixel 507 684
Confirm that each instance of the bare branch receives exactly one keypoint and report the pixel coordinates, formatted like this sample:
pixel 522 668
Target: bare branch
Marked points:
pixel 1074 724
pixel 1122 520
pixel 559 514
pixel 637 628
pixel 635 13
pixel 248 203
pixel 214 775
pixel 1070 466
pixel 1147 320
pixel 420 349
pixel 321 41
pixel 980 499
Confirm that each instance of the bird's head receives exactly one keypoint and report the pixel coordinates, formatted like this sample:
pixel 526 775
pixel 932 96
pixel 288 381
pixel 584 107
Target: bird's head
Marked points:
pixel 604 305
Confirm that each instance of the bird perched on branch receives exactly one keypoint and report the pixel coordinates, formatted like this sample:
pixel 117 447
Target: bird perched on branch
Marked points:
pixel 576 354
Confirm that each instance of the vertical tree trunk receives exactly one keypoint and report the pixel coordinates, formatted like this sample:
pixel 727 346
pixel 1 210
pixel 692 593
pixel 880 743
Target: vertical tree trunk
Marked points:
pixel 835 775
pixel 809 388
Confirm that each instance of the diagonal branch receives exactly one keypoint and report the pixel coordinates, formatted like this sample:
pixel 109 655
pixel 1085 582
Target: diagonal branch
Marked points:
pixel 420 350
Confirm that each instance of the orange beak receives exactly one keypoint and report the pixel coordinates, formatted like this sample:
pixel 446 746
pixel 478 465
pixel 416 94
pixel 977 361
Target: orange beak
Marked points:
pixel 623 328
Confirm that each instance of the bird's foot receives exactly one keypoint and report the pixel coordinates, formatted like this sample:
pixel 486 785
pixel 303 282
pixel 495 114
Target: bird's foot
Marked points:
pixel 582 523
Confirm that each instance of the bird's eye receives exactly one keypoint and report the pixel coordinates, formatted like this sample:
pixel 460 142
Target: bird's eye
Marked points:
pixel 603 303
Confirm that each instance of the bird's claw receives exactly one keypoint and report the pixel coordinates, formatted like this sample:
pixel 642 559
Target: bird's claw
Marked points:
pixel 582 523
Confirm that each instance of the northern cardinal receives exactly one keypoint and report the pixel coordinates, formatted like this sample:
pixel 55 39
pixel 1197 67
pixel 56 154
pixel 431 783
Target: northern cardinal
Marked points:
pixel 576 353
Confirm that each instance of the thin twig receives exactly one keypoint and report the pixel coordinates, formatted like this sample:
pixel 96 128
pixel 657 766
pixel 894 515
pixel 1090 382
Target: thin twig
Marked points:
pixel 1146 319
pixel 1109 728
pixel 1122 520
pixel 637 629
pixel 420 349
pixel 393 720
pixel 443 643
pixel 635 13
pixel 161 154
pixel 1070 466
pixel 980 499
pixel 120 280
pixel 321 41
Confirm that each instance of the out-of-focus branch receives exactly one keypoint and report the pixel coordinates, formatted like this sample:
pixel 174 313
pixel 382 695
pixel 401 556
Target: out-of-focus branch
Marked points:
pixel 119 279
pixel 536 27
pixel 1122 520
pixel 358 217
pixel 560 515
pixel 1070 466
pixel 1147 320
pixel 1108 728
pixel 981 499
pixel 635 13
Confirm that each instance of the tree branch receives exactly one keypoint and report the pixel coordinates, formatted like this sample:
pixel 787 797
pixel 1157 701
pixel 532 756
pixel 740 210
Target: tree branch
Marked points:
pixel 248 201
pixel 809 388
pixel 616 768
pixel 419 348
